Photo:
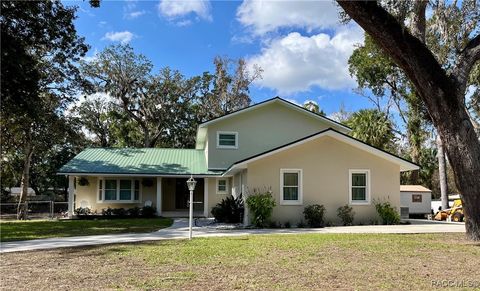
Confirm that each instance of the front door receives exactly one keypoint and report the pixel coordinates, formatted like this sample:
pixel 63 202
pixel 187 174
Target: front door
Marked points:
pixel 181 194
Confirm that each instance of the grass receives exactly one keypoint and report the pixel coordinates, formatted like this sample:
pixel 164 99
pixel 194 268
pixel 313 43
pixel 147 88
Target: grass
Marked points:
pixel 292 262
pixel 26 230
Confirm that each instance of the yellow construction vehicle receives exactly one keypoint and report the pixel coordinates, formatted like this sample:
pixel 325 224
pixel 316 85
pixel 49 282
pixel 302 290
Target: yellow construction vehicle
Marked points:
pixel 453 214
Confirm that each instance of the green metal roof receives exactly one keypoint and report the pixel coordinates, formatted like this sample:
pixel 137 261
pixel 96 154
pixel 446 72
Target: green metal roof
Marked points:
pixel 149 161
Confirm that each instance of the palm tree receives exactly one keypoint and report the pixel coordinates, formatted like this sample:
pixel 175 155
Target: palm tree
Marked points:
pixel 373 127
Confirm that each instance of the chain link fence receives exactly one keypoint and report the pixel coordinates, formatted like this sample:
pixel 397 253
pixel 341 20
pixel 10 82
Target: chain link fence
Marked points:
pixel 36 210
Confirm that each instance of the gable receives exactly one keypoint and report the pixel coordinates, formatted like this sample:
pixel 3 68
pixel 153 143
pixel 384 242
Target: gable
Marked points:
pixel 285 108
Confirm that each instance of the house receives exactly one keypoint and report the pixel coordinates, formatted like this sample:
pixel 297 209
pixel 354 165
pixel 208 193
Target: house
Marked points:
pixel 16 191
pixel 303 157
pixel 416 198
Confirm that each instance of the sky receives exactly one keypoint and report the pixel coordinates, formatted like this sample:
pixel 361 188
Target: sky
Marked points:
pixel 301 45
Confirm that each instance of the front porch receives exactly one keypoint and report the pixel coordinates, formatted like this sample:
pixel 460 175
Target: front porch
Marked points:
pixel 169 195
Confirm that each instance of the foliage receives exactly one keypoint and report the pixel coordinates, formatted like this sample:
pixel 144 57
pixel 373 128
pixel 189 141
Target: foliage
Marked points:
pixel 314 215
pixel 134 212
pixel 83 211
pixel 40 50
pixel 314 107
pixel 120 212
pixel 287 224
pixel 301 224
pixel 346 214
pixel 229 210
pixel 261 206
pixel 149 211
pixel 373 127
pixel 387 213
pixel 107 211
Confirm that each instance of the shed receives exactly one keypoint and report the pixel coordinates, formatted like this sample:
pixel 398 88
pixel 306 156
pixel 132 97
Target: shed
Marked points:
pixel 417 198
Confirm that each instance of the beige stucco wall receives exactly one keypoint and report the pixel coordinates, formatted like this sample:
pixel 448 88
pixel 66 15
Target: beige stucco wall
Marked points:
pixel 89 193
pixel 213 196
pixel 325 163
pixel 260 130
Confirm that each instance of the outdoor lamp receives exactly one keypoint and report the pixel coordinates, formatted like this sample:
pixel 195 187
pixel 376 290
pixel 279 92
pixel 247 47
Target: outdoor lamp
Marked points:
pixel 191 186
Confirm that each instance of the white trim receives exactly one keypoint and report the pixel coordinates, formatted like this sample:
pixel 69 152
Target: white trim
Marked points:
pixel 205 197
pixel 226 186
pixel 404 165
pixel 117 196
pixel 300 187
pixel 71 195
pixel 368 187
pixel 219 146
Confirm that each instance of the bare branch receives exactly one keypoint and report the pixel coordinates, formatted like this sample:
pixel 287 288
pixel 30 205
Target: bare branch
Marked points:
pixel 467 59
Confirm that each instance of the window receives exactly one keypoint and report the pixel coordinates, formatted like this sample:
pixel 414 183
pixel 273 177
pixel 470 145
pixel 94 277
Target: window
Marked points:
pixel 227 139
pixel 291 187
pixel 221 186
pixel 119 190
pixel 417 198
pixel 359 186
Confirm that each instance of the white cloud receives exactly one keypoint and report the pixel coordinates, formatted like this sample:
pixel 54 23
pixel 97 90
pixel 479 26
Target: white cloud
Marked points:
pixel 264 16
pixel 119 36
pixel 174 9
pixel 295 63
pixel 134 14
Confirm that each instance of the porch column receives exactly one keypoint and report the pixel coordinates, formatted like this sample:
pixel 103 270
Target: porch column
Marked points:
pixel 159 196
pixel 71 195
pixel 205 197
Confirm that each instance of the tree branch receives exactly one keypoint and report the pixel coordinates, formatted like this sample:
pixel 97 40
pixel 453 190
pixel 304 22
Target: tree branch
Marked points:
pixel 409 52
pixel 467 59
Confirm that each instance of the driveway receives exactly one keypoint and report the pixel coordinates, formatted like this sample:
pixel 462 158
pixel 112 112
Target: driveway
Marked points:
pixel 179 230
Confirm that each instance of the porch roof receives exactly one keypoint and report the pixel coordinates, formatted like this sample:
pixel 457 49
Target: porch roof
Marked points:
pixel 138 161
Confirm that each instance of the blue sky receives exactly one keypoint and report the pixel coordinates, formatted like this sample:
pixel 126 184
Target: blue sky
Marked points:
pixel 301 46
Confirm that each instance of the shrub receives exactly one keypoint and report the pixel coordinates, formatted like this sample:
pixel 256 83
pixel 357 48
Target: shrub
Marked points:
pixel 273 224
pixel 301 224
pixel 83 211
pixel 134 212
pixel 148 211
pixel 346 214
pixel 314 215
pixel 261 206
pixel 287 224
pixel 387 213
pixel 107 212
pixel 229 210
pixel 120 212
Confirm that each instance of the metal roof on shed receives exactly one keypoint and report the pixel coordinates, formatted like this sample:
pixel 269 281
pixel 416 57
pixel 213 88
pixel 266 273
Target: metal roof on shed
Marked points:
pixel 149 161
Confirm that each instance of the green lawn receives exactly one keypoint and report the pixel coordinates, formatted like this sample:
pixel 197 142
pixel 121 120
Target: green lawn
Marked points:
pixel 292 262
pixel 25 230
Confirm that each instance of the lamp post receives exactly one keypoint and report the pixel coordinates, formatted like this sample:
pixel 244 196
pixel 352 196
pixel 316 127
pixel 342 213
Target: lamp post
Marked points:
pixel 191 186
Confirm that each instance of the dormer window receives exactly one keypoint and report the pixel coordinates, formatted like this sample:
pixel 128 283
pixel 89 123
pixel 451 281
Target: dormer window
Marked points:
pixel 227 140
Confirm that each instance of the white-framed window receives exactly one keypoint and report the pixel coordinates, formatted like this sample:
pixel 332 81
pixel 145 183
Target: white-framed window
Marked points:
pixel 359 184
pixel 119 190
pixel 227 140
pixel 291 187
pixel 222 186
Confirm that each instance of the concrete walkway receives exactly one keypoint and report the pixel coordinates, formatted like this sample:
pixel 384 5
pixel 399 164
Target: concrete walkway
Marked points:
pixel 179 230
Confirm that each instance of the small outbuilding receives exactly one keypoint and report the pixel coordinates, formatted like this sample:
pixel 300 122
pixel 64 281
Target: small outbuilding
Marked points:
pixel 416 198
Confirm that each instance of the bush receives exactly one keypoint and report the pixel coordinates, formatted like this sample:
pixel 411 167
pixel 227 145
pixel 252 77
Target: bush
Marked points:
pixel 261 206
pixel 314 215
pixel 83 211
pixel 287 224
pixel 149 211
pixel 273 224
pixel 107 212
pixel 229 210
pixel 387 213
pixel 120 212
pixel 301 224
pixel 346 214
pixel 134 212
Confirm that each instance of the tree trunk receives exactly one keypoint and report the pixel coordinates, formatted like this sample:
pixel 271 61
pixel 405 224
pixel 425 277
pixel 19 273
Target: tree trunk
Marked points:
pixel 414 140
pixel 442 174
pixel 21 208
pixel 443 94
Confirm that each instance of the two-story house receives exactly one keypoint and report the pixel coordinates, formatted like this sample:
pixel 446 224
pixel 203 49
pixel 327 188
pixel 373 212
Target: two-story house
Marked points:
pixel 302 157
